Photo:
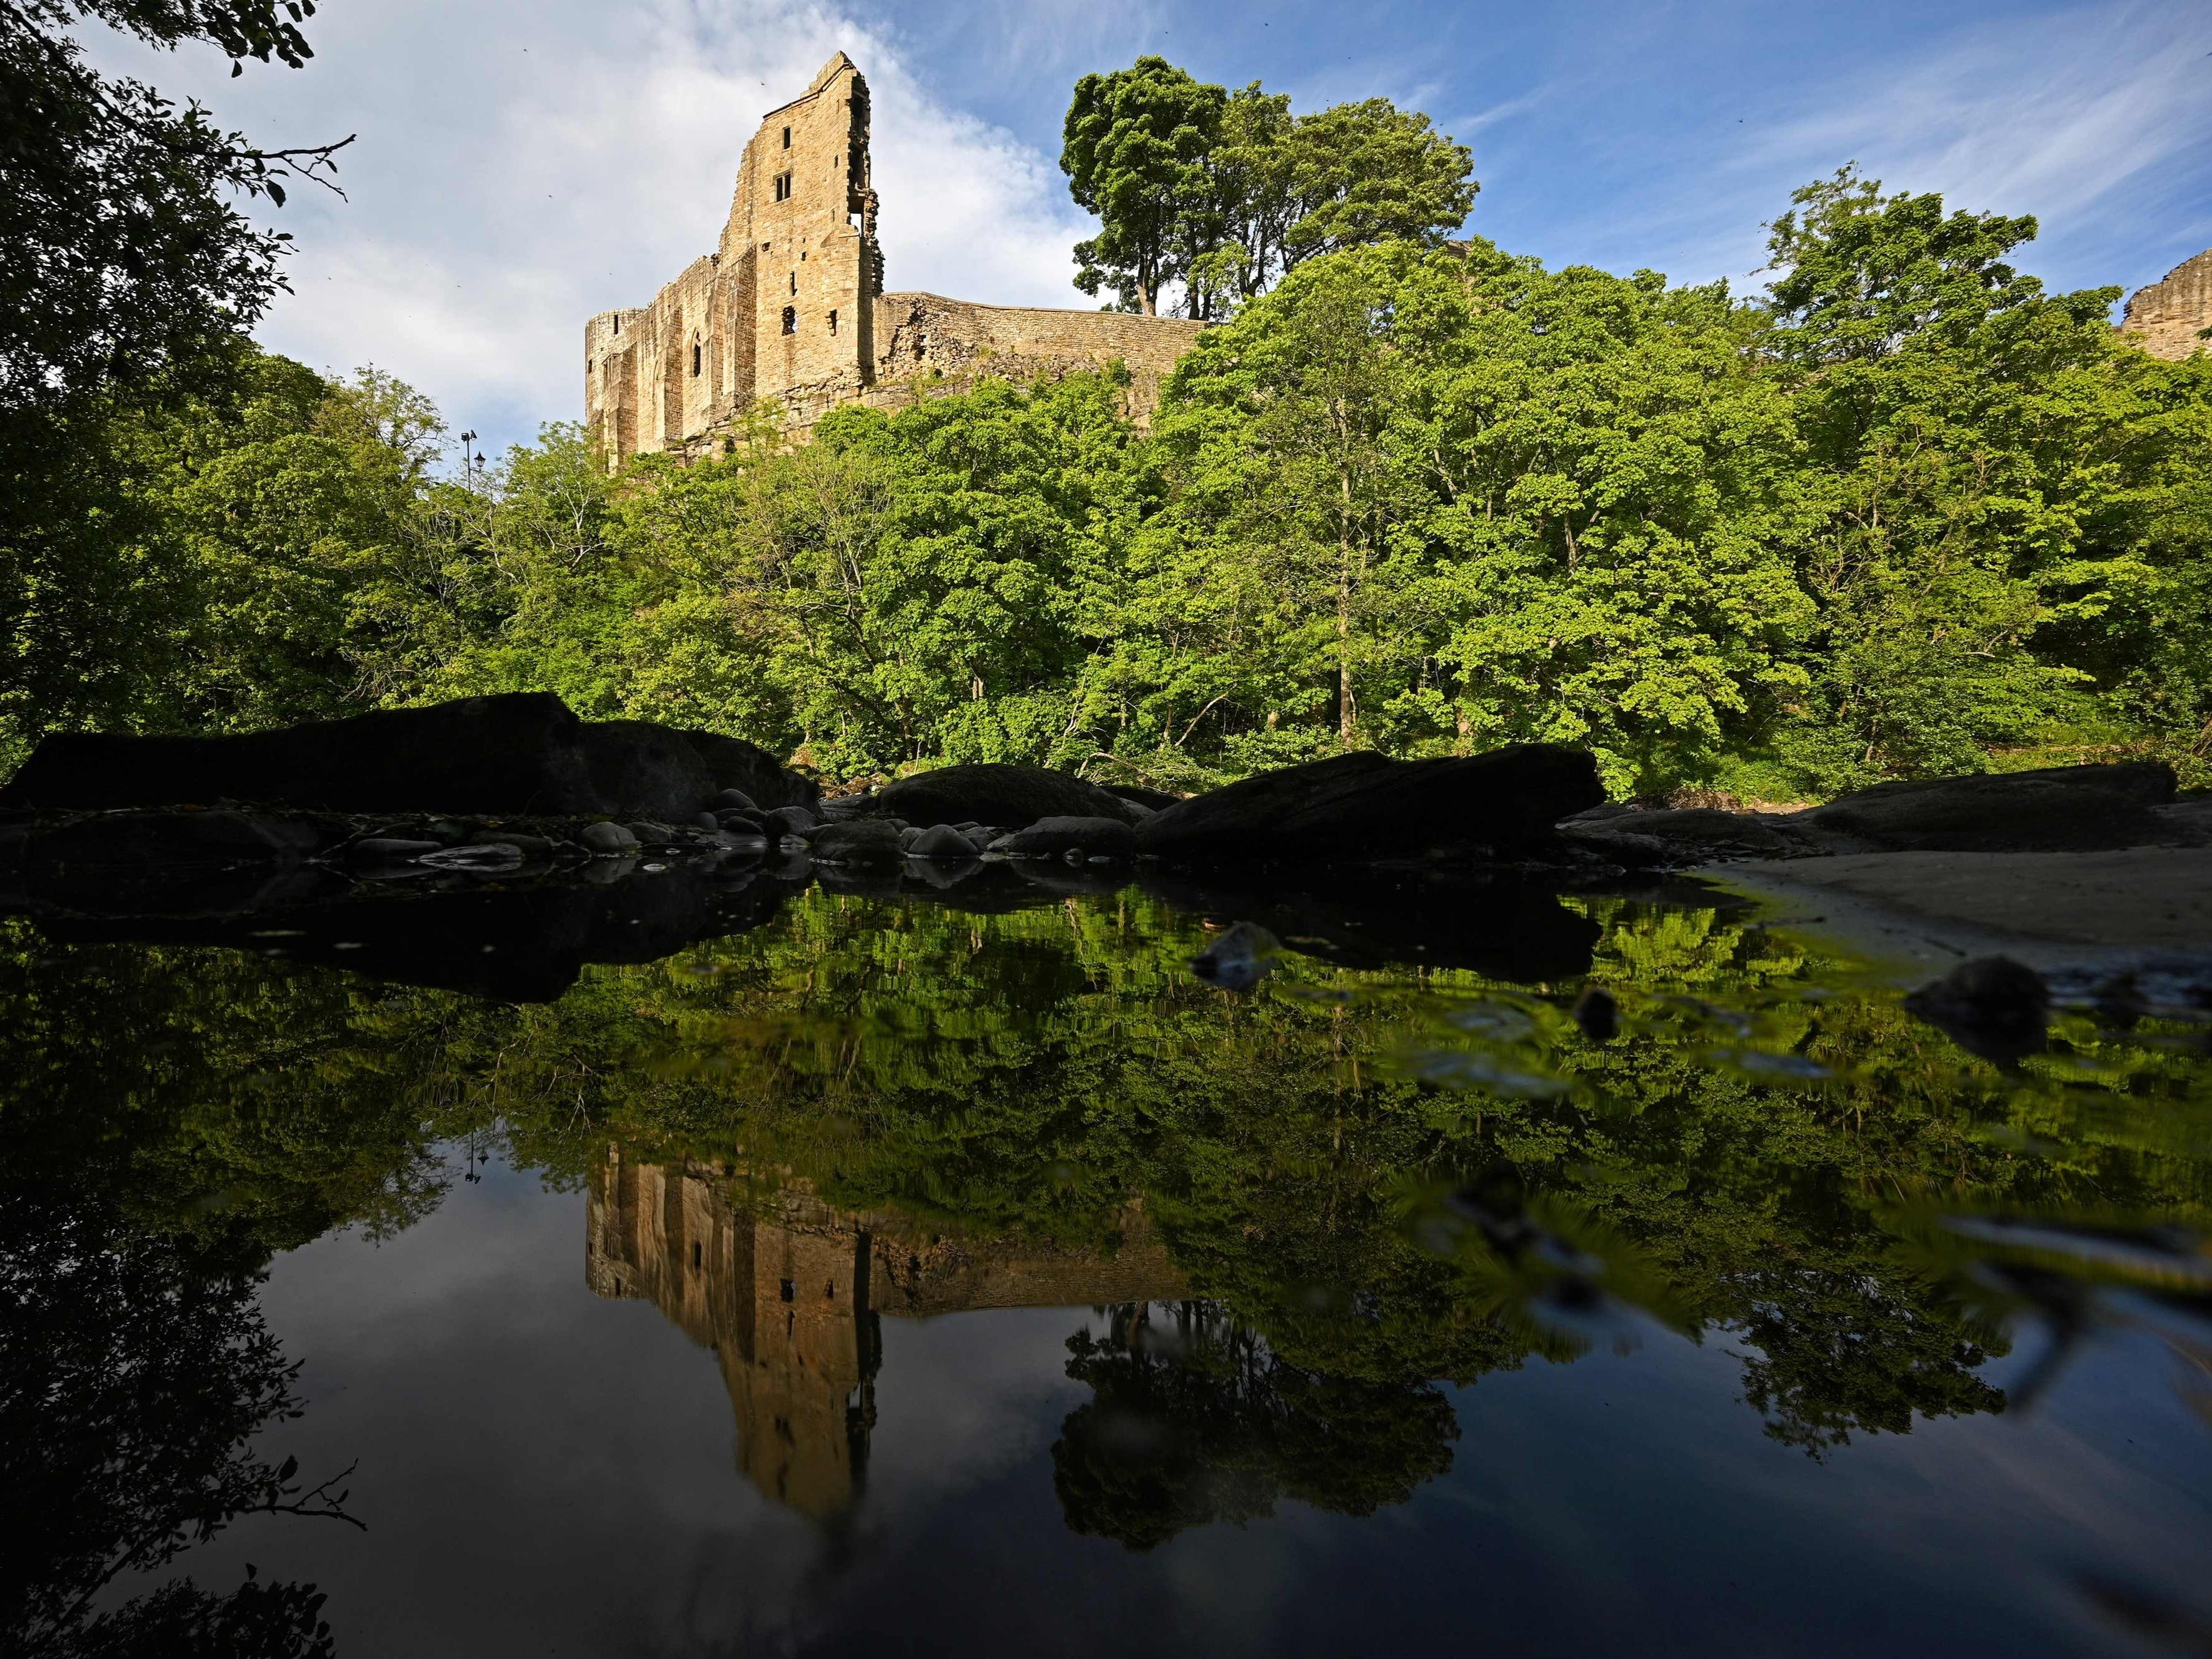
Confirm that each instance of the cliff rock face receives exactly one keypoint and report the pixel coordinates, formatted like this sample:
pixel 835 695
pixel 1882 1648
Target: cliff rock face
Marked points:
pixel 2169 318
pixel 790 308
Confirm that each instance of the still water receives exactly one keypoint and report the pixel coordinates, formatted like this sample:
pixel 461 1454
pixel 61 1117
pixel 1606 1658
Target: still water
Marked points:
pixel 696 1266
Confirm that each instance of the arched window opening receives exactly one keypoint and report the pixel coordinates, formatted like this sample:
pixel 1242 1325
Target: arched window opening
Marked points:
pixel 791 320
pixel 695 358
pixel 833 322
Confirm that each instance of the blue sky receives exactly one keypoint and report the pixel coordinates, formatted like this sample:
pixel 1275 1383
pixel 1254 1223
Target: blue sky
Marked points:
pixel 524 163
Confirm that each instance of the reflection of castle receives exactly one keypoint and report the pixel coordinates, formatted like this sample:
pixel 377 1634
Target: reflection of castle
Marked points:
pixel 788 1300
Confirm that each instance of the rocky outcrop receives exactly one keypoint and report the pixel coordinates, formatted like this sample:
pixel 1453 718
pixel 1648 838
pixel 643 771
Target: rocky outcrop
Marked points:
pixel 523 754
pixel 2170 319
pixel 1365 808
pixel 733 763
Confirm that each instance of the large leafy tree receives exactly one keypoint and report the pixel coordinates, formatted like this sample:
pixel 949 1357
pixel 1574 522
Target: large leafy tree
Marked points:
pixel 1993 462
pixel 1226 192
pixel 1132 148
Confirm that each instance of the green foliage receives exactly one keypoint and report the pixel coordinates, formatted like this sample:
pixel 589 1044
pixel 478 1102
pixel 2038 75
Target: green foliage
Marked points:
pixel 126 261
pixel 1133 144
pixel 1224 192
pixel 2005 484
pixel 214 560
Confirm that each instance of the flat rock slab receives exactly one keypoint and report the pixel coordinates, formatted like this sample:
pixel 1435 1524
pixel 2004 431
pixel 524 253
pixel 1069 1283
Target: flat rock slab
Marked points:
pixel 2048 907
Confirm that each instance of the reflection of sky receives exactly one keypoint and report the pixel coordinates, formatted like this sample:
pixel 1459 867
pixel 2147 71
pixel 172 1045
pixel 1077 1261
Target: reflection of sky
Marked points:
pixel 546 1472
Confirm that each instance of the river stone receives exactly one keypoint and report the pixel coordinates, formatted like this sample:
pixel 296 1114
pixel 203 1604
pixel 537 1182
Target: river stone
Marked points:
pixel 521 752
pixel 2059 809
pixel 736 798
pixel 390 849
pixel 866 841
pixel 1049 836
pixel 994 793
pixel 791 820
pixel 940 840
pixel 532 846
pixel 606 838
pixel 1366 808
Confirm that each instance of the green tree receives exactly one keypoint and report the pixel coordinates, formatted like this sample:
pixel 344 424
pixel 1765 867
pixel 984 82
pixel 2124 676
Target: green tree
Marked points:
pixel 1133 146
pixel 1990 458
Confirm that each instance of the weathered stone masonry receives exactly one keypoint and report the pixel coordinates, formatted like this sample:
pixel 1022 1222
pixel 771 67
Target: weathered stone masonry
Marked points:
pixel 790 308
pixel 2168 318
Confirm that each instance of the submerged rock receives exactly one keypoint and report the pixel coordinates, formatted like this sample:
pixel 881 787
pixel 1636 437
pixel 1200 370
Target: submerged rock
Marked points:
pixel 1048 837
pixel 1239 959
pixel 606 839
pixel 866 841
pixel 1366 808
pixel 940 840
pixel 1992 1007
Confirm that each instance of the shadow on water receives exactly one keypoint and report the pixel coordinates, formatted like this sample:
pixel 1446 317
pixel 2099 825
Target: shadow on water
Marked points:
pixel 1433 1133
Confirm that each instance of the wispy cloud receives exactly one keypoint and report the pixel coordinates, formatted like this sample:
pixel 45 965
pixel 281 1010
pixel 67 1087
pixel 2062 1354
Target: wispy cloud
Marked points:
pixel 2096 121
pixel 525 163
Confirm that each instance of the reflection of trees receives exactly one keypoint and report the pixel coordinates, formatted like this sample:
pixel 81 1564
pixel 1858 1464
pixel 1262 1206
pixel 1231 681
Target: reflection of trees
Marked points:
pixel 1839 1350
pixel 1193 1420
pixel 133 1385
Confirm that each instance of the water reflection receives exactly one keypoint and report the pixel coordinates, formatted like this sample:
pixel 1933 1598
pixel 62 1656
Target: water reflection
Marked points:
pixel 1314 1211
pixel 790 1302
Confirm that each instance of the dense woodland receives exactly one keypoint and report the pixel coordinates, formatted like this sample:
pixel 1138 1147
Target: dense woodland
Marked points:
pixel 1903 512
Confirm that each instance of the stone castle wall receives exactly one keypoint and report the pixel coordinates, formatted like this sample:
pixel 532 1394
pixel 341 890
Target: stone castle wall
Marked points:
pixel 2168 316
pixel 790 309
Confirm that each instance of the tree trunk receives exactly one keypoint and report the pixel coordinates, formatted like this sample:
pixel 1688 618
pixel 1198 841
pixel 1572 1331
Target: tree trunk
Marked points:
pixel 1343 713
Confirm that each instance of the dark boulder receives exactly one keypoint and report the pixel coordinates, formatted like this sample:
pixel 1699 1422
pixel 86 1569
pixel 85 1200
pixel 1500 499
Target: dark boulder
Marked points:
pixel 637 766
pixel 1015 796
pixel 870 841
pixel 1366 808
pixel 518 753
pixel 1050 837
pixel 2060 809
pixel 752 770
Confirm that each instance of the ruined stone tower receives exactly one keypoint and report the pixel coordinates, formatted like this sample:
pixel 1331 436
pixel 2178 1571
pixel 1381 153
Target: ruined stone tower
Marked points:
pixel 790 309
pixel 2168 318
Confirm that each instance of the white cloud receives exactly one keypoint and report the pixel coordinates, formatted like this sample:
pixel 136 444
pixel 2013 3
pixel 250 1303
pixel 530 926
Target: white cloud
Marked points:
pixel 523 165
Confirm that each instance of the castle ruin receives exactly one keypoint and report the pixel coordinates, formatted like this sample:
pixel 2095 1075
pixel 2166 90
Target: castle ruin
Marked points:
pixel 2170 319
pixel 790 309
